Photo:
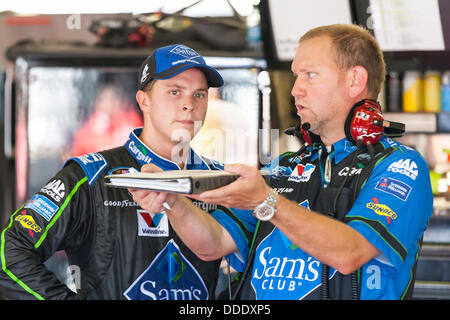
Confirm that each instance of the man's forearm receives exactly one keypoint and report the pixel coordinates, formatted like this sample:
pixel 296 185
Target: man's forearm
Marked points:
pixel 200 231
pixel 328 240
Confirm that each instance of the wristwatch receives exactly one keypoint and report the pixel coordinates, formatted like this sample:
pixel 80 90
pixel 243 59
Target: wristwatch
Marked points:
pixel 266 209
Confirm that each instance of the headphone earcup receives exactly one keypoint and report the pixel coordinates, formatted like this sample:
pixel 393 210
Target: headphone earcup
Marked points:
pixel 360 123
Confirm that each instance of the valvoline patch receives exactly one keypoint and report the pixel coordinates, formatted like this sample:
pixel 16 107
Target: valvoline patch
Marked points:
pixel 302 173
pixel 283 271
pixel 170 276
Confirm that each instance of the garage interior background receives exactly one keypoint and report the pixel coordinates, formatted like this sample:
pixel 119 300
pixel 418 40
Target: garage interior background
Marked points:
pixel 60 65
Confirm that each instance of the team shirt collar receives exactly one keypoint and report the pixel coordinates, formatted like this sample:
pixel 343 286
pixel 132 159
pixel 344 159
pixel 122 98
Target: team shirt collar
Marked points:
pixel 144 155
pixel 342 148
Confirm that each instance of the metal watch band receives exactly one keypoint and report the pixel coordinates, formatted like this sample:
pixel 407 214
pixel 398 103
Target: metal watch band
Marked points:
pixel 271 199
pixel 266 209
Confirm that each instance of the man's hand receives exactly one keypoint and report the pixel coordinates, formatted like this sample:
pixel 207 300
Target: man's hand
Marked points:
pixel 245 193
pixel 198 229
pixel 153 201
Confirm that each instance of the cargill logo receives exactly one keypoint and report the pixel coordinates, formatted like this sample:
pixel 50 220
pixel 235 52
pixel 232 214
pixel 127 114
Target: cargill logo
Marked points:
pixel 140 152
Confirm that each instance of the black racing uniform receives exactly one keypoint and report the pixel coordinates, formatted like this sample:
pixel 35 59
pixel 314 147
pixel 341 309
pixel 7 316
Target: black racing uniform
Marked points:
pixel 121 251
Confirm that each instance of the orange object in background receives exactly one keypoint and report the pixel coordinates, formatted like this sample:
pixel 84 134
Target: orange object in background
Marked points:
pixel 109 125
pixel 32 20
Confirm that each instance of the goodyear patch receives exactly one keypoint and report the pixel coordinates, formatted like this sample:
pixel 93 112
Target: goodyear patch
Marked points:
pixel 382 210
pixel 43 206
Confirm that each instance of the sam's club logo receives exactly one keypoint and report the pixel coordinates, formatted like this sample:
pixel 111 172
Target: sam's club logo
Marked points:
pixel 283 271
pixel 169 277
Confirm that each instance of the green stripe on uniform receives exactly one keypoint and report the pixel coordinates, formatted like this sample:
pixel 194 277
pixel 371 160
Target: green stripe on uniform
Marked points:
pixel 61 209
pixel 383 232
pixel 9 273
pixel 44 235
pixel 234 218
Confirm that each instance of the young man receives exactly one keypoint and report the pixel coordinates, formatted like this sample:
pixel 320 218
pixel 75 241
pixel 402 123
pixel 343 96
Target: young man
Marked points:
pixel 121 250
pixel 337 219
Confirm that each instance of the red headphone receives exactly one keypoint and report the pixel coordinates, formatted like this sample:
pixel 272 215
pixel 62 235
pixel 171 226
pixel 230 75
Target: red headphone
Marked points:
pixel 364 123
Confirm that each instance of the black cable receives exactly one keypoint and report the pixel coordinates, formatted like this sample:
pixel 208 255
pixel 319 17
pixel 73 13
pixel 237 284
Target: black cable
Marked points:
pixel 355 285
pixel 325 268
pixel 324 288
pixel 358 147
pixel 229 277
pixel 249 263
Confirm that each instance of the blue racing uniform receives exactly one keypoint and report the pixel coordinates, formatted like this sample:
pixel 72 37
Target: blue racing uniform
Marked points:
pixel 386 197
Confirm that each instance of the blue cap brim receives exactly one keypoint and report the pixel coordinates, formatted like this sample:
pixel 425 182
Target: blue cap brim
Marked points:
pixel 213 78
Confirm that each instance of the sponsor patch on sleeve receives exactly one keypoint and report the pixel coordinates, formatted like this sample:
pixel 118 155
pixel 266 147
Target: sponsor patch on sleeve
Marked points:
pixel 397 188
pixel 28 222
pixel 43 206
pixel 406 167
pixel 382 210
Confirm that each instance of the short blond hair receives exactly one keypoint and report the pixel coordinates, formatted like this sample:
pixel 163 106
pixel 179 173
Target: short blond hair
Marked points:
pixel 354 46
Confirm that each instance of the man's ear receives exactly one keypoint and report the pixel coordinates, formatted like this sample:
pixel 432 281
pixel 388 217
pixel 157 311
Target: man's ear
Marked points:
pixel 357 80
pixel 143 100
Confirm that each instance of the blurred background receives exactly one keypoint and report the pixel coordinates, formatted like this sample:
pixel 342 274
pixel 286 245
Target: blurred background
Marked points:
pixel 68 74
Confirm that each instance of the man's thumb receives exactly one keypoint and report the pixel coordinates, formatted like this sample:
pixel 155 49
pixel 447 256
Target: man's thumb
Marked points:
pixel 236 168
pixel 150 168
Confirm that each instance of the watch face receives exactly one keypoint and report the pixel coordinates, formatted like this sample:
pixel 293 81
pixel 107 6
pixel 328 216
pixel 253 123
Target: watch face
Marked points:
pixel 264 212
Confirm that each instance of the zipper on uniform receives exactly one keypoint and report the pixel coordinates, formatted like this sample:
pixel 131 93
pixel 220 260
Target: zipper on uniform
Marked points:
pixel 325 173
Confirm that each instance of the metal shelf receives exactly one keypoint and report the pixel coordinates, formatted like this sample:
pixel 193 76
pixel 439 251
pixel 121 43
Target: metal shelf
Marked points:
pixel 431 290
pixel 421 122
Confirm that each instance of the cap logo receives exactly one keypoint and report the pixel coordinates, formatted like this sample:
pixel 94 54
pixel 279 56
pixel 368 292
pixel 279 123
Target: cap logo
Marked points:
pixel 186 53
pixel 144 73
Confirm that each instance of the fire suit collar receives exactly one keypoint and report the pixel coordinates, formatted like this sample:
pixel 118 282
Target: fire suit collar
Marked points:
pixel 144 155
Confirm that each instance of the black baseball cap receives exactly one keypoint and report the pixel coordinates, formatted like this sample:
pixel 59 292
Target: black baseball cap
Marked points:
pixel 168 61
